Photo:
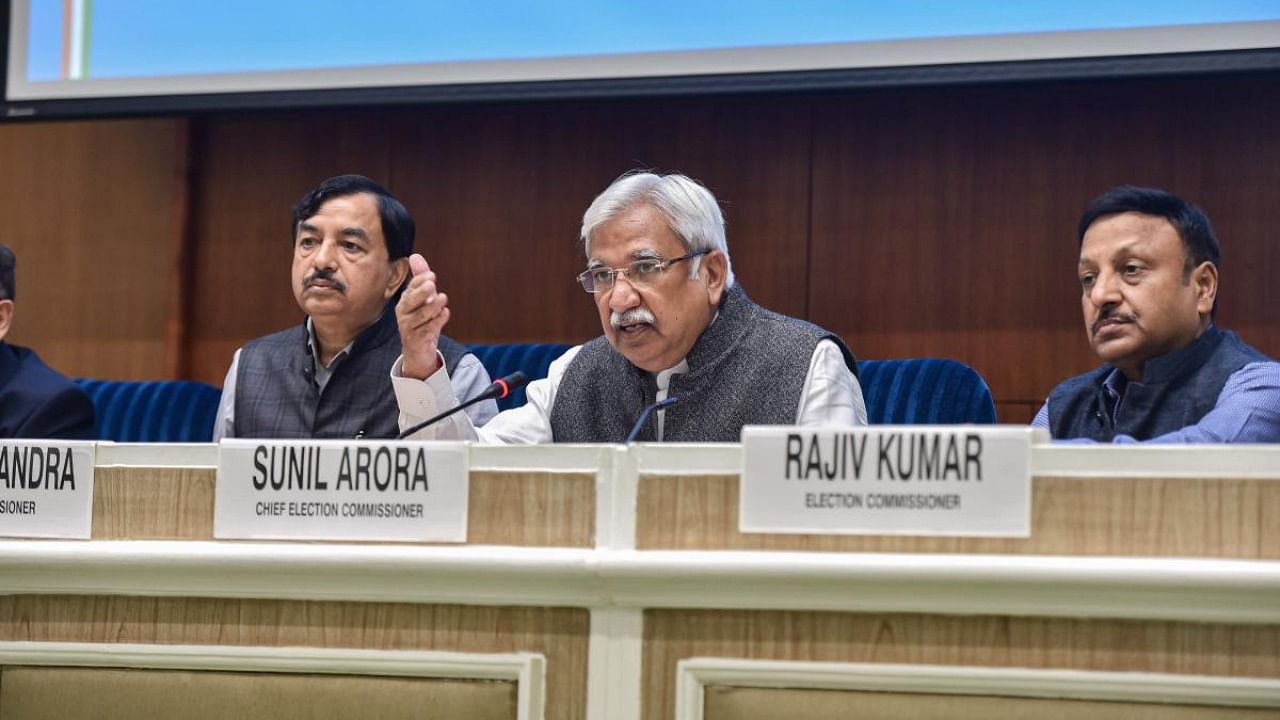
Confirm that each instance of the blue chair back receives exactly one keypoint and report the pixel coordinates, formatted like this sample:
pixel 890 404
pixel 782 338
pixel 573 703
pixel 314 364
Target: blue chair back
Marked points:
pixel 924 391
pixel 533 358
pixel 159 411
pixel 919 391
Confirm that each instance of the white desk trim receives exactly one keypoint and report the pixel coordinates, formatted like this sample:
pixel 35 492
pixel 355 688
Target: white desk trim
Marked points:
pixel 1232 591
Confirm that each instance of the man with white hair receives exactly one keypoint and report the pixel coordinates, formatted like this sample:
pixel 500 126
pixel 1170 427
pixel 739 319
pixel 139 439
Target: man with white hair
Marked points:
pixel 676 325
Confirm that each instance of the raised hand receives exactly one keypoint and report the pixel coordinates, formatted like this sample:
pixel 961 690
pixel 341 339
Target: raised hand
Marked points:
pixel 421 314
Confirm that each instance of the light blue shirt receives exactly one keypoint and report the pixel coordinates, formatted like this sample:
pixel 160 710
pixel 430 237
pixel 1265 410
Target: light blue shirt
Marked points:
pixel 1247 410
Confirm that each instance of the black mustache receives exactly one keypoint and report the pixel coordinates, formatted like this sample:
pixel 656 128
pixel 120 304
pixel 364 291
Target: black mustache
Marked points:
pixel 327 276
pixel 1109 314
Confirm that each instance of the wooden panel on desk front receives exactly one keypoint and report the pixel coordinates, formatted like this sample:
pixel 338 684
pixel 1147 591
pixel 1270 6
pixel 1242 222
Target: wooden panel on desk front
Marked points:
pixel 983 641
pixel 505 508
pixel 734 703
pixel 1173 517
pixel 532 508
pixel 132 503
pixel 52 693
pixel 560 634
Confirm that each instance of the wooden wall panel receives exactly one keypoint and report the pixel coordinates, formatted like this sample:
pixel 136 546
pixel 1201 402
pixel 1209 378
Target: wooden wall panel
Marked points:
pixel 934 221
pixel 499 192
pixel 944 218
pixel 93 212
pixel 250 171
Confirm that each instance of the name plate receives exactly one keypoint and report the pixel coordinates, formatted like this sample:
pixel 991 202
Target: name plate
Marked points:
pixel 341 490
pixel 887 480
pixel 46 489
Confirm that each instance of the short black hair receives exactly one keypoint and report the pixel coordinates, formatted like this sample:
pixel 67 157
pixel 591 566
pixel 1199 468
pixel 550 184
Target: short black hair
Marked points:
pixel 1192 224
pixel 397 224
pixel 8 291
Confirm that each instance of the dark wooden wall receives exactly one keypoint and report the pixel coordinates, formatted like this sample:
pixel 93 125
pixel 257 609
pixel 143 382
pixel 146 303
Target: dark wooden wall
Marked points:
pixel 93 211
pixel 932 221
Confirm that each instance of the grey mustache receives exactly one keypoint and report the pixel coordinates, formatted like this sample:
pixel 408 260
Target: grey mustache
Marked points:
pixel 630 317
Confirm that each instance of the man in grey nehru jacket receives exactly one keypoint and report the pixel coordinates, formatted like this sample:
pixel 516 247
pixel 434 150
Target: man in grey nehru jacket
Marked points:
pixel 676 325
pixel 329 376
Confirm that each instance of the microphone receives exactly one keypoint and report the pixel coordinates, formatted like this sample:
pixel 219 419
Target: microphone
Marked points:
pixel 660 405
pixel 500 388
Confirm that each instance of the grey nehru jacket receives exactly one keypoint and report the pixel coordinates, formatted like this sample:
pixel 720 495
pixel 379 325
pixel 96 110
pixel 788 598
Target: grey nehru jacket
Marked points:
pixel 747 368
pixel 1177 390
pixel 277 395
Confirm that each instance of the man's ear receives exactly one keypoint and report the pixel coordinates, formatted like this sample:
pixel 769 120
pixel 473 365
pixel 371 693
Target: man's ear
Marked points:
pixel 714 271
pixel 7 309
pixel 399 274
pixel 1205 280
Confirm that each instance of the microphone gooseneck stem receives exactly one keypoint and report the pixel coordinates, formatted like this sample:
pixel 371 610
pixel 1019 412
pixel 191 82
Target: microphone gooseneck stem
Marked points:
pixel 500 388
pixel 644 416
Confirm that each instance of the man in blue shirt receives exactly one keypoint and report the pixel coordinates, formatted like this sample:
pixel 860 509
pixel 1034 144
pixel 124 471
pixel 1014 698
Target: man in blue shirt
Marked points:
pixel 1148 275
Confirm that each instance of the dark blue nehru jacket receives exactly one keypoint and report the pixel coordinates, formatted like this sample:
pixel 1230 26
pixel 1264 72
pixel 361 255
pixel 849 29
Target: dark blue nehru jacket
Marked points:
pixel 1176 391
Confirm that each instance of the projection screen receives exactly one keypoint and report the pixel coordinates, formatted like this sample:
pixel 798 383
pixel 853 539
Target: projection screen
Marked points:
pixel 101 57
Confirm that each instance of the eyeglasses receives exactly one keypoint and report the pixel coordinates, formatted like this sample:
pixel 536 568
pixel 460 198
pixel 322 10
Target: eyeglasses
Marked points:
pixel 641 272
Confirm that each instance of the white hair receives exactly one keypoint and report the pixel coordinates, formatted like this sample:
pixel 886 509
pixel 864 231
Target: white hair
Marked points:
pixel 691 211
